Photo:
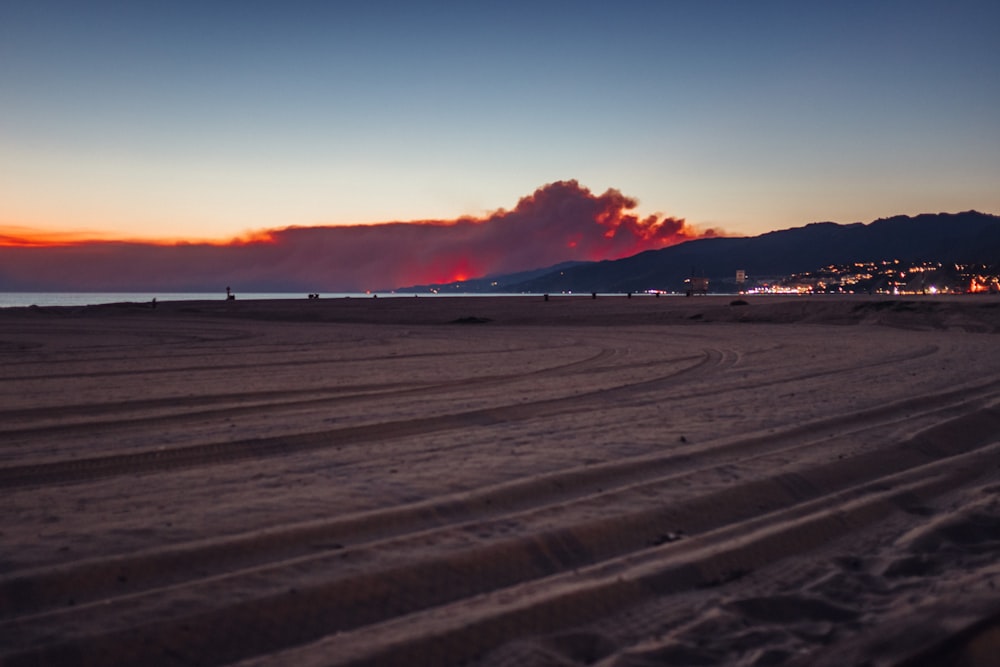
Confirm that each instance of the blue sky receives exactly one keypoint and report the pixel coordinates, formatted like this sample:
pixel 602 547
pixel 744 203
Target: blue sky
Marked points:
pixel 206 120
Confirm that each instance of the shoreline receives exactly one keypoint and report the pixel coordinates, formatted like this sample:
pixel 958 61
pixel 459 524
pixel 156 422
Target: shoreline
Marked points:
pixel 979 313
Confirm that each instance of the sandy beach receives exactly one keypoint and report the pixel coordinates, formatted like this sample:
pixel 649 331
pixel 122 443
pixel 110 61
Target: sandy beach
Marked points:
pixel 502 481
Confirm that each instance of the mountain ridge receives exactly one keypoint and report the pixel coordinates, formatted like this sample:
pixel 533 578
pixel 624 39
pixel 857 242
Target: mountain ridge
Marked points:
pixel 966 237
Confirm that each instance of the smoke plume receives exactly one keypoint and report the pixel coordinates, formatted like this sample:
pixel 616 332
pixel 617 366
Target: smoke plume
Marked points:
pixel 559 222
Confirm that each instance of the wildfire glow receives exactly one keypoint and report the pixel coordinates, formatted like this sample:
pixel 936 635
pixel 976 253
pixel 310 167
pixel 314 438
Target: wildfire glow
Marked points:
pixel 976 287
pixel 559 222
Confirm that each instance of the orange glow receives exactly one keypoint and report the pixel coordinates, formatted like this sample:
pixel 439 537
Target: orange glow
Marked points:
pixel 457 270
pixel 14 236
pixel 559 222
pixel 257 236
pixel 27 237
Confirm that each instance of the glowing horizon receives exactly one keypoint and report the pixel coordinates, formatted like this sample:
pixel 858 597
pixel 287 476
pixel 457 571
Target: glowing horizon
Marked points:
pixel 18 236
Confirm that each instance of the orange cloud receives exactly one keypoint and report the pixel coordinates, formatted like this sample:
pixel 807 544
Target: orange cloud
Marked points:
pixel 559 222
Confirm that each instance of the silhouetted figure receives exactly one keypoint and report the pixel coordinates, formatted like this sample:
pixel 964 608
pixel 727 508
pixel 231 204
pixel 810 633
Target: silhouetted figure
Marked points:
pixel 154 303
pixel 593 295
pixel 229 294
pixel 630 295
pixel 546 297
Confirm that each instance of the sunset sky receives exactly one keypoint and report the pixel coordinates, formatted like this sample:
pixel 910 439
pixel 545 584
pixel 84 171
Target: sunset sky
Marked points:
pixel 209 120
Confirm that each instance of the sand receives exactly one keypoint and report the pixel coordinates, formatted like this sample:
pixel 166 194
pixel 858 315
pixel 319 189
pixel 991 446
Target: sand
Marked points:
pixel 502 481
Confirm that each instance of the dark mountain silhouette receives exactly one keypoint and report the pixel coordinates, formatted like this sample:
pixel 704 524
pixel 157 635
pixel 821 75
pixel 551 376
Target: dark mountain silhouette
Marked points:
pixel 969 237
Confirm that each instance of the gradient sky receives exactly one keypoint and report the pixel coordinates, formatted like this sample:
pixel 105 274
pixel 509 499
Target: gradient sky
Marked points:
pixel 206 120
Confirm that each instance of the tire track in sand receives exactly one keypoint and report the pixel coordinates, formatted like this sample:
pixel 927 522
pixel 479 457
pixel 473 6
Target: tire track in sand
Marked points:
pixel 34 590
pixel 474 598
pixel 159 460
pixel 117 414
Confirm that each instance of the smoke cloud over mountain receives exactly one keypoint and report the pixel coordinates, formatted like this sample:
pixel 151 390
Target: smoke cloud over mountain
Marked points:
pixel 559 222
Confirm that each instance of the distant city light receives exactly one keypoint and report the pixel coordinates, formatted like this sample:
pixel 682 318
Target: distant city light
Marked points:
pixel 889 277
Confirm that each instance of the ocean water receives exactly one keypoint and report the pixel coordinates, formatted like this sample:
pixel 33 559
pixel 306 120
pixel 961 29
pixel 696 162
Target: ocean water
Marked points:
pixel 24 299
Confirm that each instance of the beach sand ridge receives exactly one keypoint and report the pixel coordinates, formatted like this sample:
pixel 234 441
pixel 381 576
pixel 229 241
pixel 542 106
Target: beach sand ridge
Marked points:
pixel 501 481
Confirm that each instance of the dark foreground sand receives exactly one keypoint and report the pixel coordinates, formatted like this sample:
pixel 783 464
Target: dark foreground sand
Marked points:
pixel 502 481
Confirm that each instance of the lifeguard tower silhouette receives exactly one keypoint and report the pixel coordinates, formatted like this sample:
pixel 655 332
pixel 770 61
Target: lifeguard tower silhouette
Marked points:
pixel 696 285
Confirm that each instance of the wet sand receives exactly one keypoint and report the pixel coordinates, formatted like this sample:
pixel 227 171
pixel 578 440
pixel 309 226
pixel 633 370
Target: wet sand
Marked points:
pixel 502 481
